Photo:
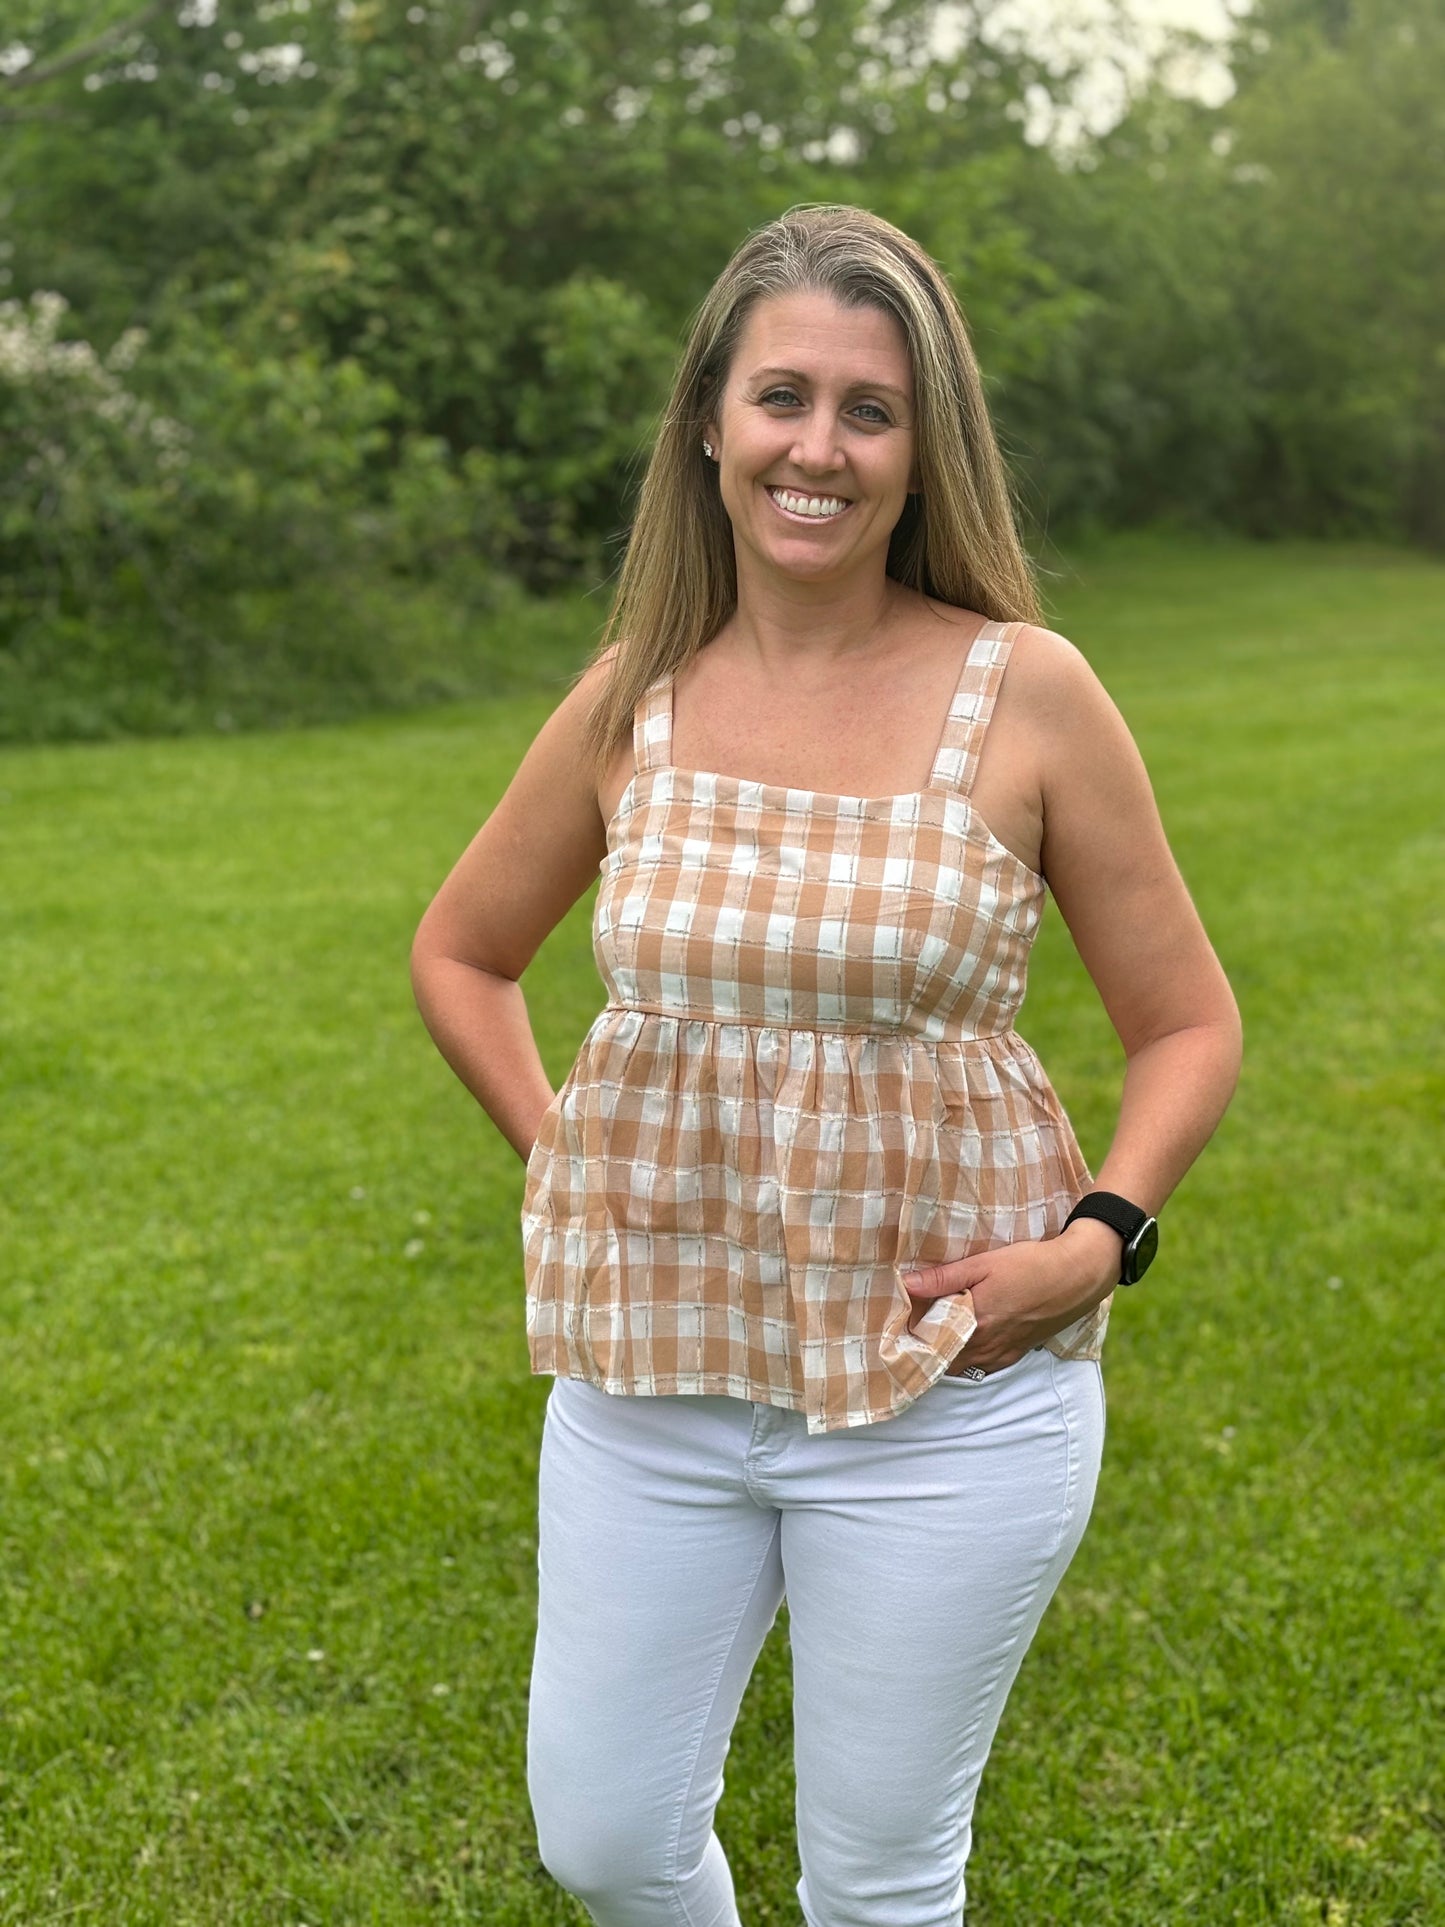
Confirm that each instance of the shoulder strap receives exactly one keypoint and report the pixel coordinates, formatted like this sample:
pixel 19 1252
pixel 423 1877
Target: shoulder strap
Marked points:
pixel 972 707
pixel 652 726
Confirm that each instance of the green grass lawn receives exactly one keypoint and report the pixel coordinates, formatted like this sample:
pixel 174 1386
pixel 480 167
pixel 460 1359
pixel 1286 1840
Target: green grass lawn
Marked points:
pixel 268 1436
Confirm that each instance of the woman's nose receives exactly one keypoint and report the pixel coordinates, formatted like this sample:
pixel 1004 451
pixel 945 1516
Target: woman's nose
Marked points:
pixel 817 446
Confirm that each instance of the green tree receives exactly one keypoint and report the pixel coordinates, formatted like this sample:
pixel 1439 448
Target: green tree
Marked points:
pixel 506 219
pixel 1336 161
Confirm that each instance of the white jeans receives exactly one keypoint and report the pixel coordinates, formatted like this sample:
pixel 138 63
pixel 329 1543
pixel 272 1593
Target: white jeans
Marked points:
pixel 917 1556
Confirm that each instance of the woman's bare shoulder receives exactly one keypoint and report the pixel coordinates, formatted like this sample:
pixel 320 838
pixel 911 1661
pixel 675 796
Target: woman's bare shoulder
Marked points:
pixel 556 769
pixel 595 674
pixel 1038 655
pixel 565 729
pixel 1043 652
pixel 1052 677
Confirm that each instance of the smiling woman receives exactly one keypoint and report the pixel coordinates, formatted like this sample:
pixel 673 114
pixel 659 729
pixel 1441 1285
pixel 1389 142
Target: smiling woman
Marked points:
pixel 909 375
pixel 811 1251
pixel 814 427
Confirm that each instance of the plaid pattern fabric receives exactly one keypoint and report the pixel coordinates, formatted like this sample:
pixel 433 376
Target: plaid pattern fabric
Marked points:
pixel 804 1079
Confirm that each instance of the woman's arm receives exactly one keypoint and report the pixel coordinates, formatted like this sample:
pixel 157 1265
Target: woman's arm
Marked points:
pixel 1111 872
pixel 528 864
pixel 1119 890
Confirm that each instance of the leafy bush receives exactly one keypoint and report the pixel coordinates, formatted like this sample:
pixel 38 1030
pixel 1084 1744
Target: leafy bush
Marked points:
pixel 190 522
pixel 91 471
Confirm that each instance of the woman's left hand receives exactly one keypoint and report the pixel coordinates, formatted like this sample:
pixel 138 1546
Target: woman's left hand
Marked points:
pixel 1024 1293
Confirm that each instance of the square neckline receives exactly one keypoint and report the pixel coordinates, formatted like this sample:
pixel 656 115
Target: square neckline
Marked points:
pixel 844 796
pixel 933 787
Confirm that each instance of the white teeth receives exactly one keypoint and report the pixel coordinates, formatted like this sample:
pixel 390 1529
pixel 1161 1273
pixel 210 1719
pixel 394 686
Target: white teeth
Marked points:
pixel 820 506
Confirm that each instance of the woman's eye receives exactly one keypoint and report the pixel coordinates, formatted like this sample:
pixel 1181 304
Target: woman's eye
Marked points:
pixel 787 397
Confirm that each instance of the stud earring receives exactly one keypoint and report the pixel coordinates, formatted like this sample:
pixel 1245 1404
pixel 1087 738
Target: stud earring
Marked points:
pixel 707 450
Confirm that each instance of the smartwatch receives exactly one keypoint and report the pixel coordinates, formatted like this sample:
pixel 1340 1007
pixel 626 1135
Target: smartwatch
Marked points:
pixel 1138 1230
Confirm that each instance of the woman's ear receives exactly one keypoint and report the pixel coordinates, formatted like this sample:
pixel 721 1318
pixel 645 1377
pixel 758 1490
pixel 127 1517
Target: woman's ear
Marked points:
pixel 711 440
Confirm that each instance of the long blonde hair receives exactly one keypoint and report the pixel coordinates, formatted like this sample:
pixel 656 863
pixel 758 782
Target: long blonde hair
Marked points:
pixel 956 540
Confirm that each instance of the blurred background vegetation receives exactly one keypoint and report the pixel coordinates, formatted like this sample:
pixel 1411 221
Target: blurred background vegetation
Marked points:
pixel 332 332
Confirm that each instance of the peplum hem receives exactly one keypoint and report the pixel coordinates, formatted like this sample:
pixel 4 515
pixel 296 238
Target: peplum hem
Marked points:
pixel 721 1206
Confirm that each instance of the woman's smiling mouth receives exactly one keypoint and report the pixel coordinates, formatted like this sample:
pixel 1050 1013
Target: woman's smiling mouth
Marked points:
pixel 806 508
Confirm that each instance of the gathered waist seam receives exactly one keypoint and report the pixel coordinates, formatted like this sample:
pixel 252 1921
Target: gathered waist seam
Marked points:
pixel 981 1038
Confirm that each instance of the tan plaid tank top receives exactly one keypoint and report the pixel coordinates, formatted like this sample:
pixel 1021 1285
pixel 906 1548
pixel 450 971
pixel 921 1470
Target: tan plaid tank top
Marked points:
pixel 804 1079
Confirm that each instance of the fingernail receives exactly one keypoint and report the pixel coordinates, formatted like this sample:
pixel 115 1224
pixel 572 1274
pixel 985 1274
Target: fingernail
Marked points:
pixel 911 1277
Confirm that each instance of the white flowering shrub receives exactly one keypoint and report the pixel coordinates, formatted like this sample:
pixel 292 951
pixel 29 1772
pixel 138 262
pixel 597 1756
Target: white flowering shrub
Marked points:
pixel 84 462
pixel 241 474
pixel 162 490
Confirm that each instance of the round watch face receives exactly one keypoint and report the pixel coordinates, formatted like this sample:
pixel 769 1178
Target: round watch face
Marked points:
pixel 1139 1252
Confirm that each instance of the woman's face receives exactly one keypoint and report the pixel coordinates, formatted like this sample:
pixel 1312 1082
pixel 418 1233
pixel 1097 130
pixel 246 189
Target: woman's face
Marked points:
pixel 814 437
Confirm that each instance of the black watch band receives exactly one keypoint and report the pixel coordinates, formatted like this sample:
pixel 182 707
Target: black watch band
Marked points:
pixel 1138 1230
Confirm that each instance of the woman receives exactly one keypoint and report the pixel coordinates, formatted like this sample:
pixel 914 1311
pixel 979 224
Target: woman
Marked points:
pixel 811 1250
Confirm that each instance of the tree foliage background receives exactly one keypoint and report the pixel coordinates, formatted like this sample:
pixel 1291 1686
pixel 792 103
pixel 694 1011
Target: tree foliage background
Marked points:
pixel 323 322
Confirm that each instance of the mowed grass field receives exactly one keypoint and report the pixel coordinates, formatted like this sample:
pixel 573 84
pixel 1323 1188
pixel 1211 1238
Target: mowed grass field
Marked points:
pixel 268 1437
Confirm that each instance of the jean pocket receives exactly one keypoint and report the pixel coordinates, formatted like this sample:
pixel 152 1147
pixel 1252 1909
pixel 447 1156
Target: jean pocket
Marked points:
pixel 989 1378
